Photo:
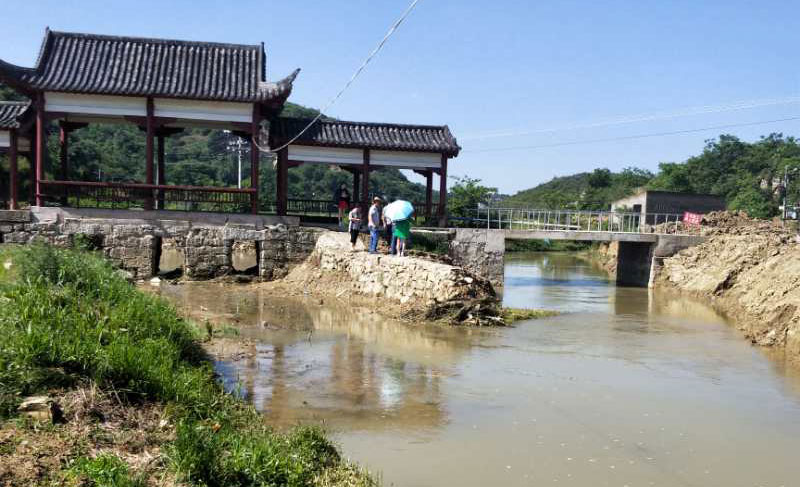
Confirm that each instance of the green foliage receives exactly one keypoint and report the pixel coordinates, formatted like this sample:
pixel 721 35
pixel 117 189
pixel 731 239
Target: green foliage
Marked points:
pixel 8 94
pixel 727 167
pixel 734 169
pixel 583 191
pixel 466 195
pixel 103 471
pixel 68 316
pixel 755 202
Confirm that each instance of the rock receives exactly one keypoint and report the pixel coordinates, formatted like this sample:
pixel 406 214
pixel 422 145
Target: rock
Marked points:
pixel 156 281
pixel 127 275
pixel 41 408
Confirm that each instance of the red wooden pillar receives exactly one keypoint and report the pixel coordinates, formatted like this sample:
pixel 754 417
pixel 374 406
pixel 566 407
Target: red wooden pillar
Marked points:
pixel 443 193
pixel 428 195
pixel 63 156
pixel 63 140
pixel 356 186
pixel 255 156
pixel 12 170
pixel 281 182
pixel 150 126
pixel 40 149
pixel 365 187
pixel 160 174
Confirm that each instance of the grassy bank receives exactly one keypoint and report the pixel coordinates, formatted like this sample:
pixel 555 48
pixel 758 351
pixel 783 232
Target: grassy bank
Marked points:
pixel 69 322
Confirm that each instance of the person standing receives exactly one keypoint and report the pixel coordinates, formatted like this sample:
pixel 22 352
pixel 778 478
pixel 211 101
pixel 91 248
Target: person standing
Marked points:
pixel 354 226
pixel 402 230
pixel 374 224
pixel 342 202
pixel 390 238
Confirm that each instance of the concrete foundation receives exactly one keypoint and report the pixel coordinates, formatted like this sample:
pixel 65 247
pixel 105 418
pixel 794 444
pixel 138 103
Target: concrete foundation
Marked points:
pixel 633 263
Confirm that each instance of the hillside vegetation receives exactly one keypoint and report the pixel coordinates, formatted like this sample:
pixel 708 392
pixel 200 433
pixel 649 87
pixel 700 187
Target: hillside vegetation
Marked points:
pixel 745 173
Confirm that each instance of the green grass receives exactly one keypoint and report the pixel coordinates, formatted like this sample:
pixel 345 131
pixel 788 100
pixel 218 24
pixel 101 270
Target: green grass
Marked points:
pixel 511 315
pixel 103 471
pixel 67 317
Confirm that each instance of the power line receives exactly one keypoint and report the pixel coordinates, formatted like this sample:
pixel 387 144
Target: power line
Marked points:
pixel 684 112
pixel 630 137
pixel 355 75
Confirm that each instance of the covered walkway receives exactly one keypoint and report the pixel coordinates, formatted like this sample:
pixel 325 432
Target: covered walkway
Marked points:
pixel 165 86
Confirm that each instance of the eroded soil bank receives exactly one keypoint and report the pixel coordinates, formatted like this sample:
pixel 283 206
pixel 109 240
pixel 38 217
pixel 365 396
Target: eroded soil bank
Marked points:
pixel 750 270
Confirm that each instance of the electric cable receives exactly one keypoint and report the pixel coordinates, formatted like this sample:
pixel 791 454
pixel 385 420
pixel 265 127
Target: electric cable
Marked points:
pixel 630 137
pixel 355 75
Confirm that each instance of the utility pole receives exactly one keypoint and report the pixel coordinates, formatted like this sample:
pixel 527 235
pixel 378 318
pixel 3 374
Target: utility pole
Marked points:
pixel 239 153
pixel 236 146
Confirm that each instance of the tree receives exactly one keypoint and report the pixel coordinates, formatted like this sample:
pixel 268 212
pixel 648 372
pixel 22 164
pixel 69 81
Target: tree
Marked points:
pixel 755 202
pixel 8 94
pixel 600 178
pixel 466 195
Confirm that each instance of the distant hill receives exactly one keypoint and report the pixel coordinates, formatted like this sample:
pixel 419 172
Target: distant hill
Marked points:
pixel 587 190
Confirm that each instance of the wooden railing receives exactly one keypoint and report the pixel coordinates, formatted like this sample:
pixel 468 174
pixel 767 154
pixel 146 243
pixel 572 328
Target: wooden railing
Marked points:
pixel 86 194
pixel 138 195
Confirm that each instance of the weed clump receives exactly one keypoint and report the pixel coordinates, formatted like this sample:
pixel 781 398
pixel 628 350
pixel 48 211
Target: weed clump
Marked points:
pixel 66 318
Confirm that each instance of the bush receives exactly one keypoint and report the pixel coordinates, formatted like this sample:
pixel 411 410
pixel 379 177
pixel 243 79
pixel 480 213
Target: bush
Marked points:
pixel 67 316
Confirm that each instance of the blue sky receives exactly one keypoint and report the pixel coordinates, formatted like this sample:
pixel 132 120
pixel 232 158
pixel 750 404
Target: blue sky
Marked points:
pixel 488 67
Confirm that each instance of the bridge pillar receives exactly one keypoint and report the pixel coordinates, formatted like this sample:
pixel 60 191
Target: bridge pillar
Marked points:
pixel 634 261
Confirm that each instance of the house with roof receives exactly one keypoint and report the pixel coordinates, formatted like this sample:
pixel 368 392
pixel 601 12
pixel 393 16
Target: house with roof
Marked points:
pixel 164 86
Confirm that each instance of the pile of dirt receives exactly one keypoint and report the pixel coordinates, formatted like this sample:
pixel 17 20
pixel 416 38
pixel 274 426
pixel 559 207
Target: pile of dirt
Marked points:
pixel 750 269
pixel 733 223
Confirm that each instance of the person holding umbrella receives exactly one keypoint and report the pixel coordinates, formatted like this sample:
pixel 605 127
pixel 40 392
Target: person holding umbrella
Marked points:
pixel 400 212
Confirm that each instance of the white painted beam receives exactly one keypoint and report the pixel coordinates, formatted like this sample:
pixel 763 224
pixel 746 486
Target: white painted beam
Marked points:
pixel 212 111
pixel 377 158
pixel 96 104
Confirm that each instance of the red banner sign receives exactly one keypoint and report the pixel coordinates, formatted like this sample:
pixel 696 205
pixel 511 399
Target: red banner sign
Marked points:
pixel 692 218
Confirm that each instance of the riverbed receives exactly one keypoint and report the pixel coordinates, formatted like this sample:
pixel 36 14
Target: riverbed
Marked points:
pixel 625 387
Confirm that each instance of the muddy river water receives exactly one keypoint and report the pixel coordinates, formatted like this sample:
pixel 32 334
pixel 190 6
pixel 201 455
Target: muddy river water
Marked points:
pixel 625 388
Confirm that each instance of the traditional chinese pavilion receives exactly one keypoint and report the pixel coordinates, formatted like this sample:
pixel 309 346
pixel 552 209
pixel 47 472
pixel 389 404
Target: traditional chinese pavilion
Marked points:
pixel 164 86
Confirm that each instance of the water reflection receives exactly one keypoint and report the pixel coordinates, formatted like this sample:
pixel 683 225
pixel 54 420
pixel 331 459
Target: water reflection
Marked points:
pixel 626 387
pixel 332 363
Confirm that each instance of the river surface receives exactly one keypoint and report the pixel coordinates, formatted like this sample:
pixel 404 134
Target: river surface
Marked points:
pixel 625 388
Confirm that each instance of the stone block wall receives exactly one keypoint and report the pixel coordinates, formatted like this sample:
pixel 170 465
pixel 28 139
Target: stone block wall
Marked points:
pixel 480 252
pixel 402 279
pixel 200 249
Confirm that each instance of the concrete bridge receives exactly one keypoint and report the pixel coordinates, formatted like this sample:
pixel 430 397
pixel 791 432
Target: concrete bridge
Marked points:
pixel 644 239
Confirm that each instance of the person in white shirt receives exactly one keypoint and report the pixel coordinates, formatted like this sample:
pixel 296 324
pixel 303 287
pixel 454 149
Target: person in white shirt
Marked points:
pixel 374 224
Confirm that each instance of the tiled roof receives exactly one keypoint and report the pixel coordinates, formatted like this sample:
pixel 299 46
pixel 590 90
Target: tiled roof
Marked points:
pixel 379 136
pixel 9 111
pixel 88 63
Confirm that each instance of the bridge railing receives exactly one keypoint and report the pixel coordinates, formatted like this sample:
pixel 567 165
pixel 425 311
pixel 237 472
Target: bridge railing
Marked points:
pixel 582 221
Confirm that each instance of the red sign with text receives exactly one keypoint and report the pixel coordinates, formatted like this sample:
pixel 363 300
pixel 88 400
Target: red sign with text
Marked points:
pixel 692 218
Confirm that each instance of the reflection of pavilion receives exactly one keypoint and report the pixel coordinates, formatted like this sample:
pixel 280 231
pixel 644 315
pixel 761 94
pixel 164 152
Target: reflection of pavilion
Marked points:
pixel 358 371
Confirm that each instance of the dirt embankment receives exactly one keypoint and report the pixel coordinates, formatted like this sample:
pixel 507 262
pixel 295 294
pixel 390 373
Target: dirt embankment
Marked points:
pixel 750 269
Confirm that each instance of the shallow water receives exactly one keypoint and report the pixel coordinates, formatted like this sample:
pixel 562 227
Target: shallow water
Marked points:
pixel 627 387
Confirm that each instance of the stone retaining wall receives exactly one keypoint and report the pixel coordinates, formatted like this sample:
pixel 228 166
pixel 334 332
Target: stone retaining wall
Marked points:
pixel 480 251
pixel 200 245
